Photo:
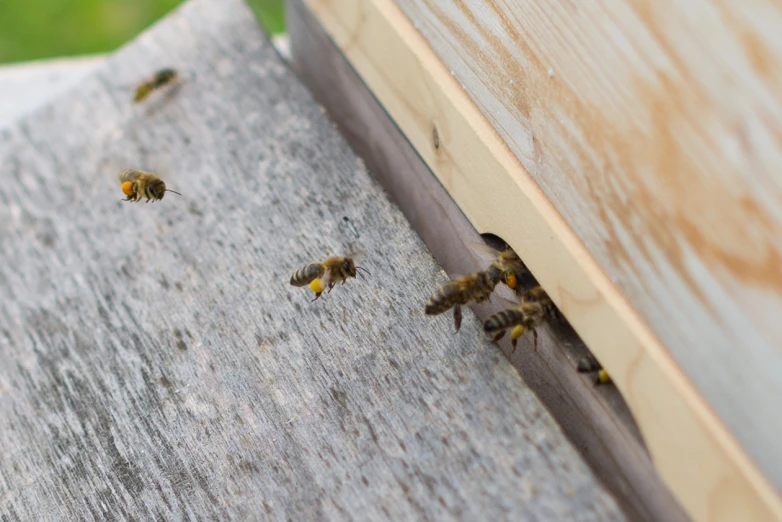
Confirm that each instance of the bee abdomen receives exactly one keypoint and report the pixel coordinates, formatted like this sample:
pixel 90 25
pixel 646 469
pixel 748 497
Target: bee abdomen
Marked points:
pixel 307 274
pixel 503 320
pixel 440 300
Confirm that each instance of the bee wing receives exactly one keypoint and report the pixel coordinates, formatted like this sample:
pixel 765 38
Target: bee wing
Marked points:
pixel 129 175
pixel 484 251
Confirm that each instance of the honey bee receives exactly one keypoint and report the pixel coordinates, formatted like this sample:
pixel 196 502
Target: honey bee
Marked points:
pixel 137 184
pixel 326 274
pixel 470 288
pixel 158 80
pixel 536 308
pixel 590 364
pixel 508 268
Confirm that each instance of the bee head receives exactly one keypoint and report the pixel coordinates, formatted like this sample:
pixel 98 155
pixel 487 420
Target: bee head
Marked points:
pixel 165 75
pixel 158 189
pixel 349 268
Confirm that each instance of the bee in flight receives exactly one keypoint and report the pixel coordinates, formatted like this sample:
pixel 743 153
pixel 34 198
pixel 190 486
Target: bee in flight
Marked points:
pixel 137 184
pixel 536 308
pixel 590 364
pixel 470 288
pixel 325 274
pixel 159 79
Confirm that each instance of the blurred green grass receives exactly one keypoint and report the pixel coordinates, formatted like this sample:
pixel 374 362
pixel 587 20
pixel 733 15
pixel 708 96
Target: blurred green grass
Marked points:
pixel 34 29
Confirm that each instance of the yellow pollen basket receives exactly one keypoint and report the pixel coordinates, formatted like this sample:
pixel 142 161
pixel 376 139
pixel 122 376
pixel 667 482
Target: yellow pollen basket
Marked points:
pixel 511 281
pixel 603 377
pixel 317 285
pixel 127 188
pixel 517 332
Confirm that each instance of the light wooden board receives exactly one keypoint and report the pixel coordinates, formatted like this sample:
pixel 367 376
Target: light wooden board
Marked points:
pixel 595 419
pixel 655 128
pixel 708 470
pixel 158 365
pixel 24 86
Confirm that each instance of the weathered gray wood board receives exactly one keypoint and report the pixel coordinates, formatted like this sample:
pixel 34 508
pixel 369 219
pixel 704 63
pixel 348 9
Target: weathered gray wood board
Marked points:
pixel 156 363
pixel 668 175
pixel 25 86
pixel 595 419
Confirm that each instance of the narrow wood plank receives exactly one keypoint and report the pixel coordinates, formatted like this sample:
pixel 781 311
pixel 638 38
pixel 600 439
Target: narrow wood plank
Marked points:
pixel 654 128
pixel 595 419
pixel 703 463
pixel 158 365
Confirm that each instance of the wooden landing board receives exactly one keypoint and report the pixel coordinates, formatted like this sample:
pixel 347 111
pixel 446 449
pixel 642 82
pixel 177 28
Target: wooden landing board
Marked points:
pixel 705 466
pixel 655 129
pixel 595 419
pixel 157 364
pixel 25 86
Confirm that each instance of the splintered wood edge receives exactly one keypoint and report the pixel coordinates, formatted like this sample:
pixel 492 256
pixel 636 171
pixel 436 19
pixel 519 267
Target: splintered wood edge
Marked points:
pixel 699 459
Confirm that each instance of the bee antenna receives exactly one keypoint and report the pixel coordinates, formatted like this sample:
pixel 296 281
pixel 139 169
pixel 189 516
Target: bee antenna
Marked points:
pixel 174 191
pixel 362 268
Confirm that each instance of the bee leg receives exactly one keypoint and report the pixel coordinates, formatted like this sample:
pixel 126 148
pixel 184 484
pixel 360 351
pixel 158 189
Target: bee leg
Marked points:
pixel 316 297
pixel 513 343
pixel 535 339
pixel 457 317
pixel 331 285
pixel 499 336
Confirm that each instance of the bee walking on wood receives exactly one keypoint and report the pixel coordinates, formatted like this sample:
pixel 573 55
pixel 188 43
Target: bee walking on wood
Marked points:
pixel 325 274
pixel 159 79
pixel 470 288
pixel 590 364
pixel 137 184
pixel 536 308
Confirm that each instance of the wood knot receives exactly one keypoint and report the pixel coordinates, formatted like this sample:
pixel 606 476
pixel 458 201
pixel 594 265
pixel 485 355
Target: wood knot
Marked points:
pixel 435 137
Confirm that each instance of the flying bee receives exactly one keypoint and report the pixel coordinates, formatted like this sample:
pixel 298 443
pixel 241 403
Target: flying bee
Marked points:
pixel 137 184
pixel 159 79
pixel 536 308
pixel 506 267
pixel 470 288
pixel 325 274
pixel 590 364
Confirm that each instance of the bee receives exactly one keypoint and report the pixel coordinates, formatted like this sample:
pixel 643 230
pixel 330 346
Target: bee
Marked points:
pixel 536 308
pixel 508 268
pixel 326 274
pixel 159 79
pixel 137 184
pixel 470 288
pixel 590 364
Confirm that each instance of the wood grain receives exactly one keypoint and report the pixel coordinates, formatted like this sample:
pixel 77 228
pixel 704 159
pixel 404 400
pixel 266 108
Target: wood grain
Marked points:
pixel 24 86
pixel 595 419
pixel 654 128
pixel 158 365
pixel 498 196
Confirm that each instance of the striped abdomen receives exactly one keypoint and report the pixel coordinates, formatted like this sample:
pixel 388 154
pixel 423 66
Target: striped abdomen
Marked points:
pixel 444 298
pixel 307 274
pixel 503 320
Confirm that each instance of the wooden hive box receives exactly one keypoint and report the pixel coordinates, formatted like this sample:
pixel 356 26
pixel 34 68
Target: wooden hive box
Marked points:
pixel 631 153
pixel 158 365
